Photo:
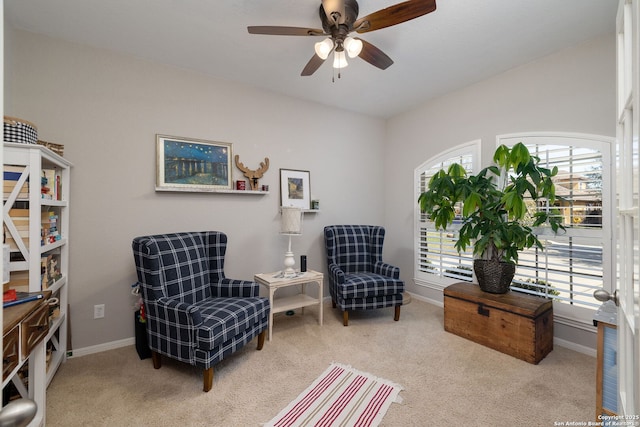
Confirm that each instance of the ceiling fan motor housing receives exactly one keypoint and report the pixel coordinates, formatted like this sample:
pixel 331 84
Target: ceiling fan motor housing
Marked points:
pixel 351 10
pixel 342 26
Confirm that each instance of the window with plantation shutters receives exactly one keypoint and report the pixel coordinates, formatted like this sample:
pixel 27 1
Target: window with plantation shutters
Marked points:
pixel 438 261
pixel 578 260
pixel 575 262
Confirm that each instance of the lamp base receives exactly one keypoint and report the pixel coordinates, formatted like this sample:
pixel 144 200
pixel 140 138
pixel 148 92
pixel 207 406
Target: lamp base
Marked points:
pixel 289 262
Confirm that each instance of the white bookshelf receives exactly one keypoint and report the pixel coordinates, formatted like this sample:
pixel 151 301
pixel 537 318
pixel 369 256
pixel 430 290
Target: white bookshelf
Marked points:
pixel 30 250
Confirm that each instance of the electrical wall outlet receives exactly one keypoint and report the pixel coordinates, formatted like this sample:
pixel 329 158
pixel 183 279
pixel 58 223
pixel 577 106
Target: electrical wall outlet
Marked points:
pixel 98 311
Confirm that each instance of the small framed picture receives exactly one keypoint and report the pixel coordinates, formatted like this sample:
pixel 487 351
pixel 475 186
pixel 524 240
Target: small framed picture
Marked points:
pixel 186 164
pixel 295 188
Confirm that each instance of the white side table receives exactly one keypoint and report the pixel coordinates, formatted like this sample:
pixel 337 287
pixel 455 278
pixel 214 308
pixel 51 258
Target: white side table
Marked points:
pixel 272 282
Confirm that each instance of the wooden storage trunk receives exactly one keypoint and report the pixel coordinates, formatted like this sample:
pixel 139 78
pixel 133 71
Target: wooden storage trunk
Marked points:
pixel 513 323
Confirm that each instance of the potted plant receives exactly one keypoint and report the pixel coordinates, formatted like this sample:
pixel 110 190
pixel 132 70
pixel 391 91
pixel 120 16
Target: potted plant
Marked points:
pixel 494 216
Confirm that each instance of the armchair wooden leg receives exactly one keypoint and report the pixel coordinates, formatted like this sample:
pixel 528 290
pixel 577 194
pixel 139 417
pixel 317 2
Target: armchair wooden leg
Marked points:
pixel 345 318
pixel 333 303
pixel 208 379
pixel 157 362
pixel 261 339
pixel 396 315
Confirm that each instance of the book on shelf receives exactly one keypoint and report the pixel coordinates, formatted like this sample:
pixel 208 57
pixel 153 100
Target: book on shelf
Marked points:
pixel 49 227
pixel 22 232
pixel 49 269
pixel 20 225
pixel 50 184
pixel 18 280
pixel 20 219
pixel 19 213
pixel 9 187
pixel 16 257
pixel 13 246
pixel 12 173
pixel 11 239
pixel 13 297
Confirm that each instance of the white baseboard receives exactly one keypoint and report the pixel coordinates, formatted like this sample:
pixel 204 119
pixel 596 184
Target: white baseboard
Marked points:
pixel 427 300
pixel 79 352
pixel 575 347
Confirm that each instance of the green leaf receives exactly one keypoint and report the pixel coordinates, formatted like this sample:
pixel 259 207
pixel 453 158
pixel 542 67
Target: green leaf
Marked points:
pixel 471 203
pixel 519 155
pixel 501 156
pixel 456 171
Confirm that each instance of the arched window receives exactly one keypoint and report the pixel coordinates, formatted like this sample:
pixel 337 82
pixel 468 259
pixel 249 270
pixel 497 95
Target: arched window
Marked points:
pixel 437 260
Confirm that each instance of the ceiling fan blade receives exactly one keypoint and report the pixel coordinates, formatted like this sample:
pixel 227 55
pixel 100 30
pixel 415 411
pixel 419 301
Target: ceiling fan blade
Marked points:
pixel 334 6
pixel 314 63
pixel 393 15
pixel 374 56
pixel 285 31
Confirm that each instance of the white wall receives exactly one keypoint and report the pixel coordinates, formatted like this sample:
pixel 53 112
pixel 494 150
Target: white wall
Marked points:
pixel 107 108
pixel 572 91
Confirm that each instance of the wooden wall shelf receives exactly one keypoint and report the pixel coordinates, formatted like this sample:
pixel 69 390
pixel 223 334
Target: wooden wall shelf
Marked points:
pixel 248 192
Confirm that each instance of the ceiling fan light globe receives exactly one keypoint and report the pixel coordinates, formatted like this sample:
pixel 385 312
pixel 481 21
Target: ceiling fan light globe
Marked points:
pixel 340 60
pixel 353 46
pixel 324 48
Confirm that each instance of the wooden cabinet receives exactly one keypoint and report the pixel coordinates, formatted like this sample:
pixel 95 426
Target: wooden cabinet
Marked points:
pixel 24 326
pixel 36 228
pixel 513 323
pixel 10 351
pixel 34 328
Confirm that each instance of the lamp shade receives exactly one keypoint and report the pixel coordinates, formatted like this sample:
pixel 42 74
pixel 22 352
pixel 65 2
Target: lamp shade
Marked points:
pixel 339 60
pixel 324 48
pixel 352 46
pixel 291 220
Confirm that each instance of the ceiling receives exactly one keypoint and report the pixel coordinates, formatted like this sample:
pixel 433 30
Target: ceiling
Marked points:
pixel 462 42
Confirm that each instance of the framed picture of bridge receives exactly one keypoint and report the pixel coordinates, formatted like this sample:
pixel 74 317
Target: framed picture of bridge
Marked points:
pixel 186 164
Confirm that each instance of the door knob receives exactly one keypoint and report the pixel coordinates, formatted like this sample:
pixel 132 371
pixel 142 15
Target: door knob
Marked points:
pixel 18 413
pixel 604 296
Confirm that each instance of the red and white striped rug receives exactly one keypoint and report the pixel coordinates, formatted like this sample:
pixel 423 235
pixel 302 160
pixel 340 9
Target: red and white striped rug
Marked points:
pixel 341 396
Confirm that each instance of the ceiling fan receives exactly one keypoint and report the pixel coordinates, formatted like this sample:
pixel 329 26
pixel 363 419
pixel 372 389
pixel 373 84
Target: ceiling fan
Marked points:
pixel 339 19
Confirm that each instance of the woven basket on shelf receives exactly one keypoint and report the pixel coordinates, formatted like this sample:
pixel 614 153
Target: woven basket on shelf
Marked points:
pixel 19 130
pixel 56 148
pixel 494 277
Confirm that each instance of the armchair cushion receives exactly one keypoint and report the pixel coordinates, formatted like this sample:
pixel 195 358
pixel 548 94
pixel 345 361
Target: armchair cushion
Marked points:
pixel 365 285
pixel 224 318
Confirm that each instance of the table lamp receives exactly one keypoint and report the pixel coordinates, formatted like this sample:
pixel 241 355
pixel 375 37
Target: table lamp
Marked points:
pixel 290 225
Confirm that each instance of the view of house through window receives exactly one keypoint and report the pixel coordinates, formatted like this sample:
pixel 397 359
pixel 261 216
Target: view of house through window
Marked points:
pixel 572 265
pixel 574 262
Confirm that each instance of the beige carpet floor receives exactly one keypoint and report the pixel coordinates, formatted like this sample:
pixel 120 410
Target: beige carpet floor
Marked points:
pixel 447 380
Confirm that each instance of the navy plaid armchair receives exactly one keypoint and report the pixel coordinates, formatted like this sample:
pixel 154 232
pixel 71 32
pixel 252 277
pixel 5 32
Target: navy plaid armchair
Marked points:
pixel 194 313
pixel 358 278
